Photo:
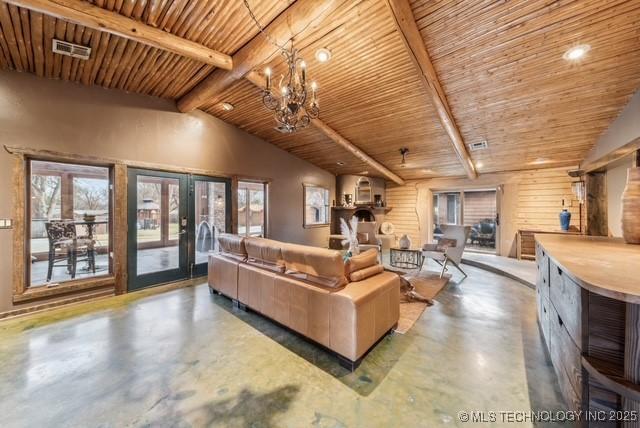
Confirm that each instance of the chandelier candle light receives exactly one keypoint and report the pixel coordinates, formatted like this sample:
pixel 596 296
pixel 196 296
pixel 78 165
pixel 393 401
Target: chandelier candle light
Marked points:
pixel 294 109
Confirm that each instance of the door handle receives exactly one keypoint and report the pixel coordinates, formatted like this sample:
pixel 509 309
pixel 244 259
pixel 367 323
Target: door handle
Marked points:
pixel 182 232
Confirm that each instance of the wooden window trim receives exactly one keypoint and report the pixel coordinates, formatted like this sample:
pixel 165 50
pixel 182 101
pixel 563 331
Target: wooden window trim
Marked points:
pixel 22 292
pixel 304 207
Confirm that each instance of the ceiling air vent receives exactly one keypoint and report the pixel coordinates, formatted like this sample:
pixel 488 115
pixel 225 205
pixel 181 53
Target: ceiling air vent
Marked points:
pixel 70 49
pixel 480 145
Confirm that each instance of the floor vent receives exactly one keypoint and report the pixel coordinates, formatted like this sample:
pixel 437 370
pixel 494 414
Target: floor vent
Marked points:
pixel 480 145
pixel 70 49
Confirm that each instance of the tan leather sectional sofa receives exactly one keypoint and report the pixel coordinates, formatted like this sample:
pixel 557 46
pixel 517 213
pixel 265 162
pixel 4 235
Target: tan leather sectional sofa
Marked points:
pixel 346 308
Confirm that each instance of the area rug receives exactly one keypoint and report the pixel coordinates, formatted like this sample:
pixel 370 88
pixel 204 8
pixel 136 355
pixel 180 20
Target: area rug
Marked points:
pixel 417 293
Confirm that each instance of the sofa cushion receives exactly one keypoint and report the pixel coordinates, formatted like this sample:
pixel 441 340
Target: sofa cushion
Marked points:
pixel 232 245
pixel 362 260
pixel 365 273
pixel 315 265
pixel 265 253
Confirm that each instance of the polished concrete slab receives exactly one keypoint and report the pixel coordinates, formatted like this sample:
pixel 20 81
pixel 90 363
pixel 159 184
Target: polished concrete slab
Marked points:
pixel 524 271
pixel 188 358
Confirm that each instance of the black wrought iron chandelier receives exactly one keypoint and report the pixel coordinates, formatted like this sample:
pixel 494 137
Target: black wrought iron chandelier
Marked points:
pixel 295 102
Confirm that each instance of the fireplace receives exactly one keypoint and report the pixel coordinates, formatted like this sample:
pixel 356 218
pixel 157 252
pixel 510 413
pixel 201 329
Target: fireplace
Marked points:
pixel 364 214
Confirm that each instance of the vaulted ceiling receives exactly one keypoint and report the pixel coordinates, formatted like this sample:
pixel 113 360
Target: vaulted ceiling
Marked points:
pixel 500 65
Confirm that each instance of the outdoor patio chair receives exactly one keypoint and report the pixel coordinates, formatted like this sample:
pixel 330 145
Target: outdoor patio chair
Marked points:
pixel 65 247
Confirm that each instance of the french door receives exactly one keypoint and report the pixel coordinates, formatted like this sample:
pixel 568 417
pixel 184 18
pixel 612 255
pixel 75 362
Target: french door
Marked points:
pixel 173 220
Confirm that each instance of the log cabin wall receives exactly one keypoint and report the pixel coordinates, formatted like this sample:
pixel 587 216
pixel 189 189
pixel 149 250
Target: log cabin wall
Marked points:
pixel 528 200
pixel 115 125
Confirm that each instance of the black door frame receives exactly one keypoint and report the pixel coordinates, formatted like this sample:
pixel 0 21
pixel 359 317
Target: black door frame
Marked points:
pixel 135 281
pixel 187 239
pixel 201 269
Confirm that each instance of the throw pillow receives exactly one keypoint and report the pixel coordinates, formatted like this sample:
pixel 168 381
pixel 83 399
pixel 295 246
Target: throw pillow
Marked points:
pixel 363 237
pixel 445 243
pixel 365 273
pixel 362 260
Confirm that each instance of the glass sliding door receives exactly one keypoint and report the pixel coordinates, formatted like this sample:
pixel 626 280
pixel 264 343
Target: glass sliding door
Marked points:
pixel 476 208
pixel 251 209
pixel 480 213
pixel 157 221
pixel 210 215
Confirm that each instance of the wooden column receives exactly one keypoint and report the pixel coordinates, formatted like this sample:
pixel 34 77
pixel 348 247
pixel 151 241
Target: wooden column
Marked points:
pixel 632 358
pixel 596 204
pixel 119 222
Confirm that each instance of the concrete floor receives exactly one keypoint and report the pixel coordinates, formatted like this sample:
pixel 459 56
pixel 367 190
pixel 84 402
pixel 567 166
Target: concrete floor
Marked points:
pixel 187 358
pixel 524 271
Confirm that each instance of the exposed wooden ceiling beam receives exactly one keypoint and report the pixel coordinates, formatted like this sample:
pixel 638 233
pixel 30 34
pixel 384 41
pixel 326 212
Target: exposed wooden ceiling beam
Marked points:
pixel 408 29
pixel 257 80
pixel 97 18
pixel 303 15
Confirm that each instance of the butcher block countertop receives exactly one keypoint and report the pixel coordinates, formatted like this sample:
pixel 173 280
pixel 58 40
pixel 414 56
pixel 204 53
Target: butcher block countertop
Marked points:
pixel 605 266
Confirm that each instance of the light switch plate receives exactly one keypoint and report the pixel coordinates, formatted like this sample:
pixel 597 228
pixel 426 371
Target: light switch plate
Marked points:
pixel 6 223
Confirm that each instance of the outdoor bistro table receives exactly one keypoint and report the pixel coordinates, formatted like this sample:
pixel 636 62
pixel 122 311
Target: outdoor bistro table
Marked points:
pixel 406 258
pixel 90 226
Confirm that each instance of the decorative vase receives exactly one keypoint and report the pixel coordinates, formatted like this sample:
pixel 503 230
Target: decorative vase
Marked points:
pixel 377 200
pixel 404 242
pixel 565 219
pixel 631 207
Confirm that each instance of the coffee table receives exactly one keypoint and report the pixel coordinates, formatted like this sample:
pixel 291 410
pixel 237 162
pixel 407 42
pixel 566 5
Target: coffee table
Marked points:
pixel 406 258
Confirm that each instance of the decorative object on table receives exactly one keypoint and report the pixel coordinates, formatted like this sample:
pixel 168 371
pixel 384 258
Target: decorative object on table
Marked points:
pixel 631 207
pixel 406 258
pixel 89 218
pixel 297 102
pixel 565 219
pixel 350 232
pixel 404 242
pixel 449 248
pixel 377 199
pixel 387 228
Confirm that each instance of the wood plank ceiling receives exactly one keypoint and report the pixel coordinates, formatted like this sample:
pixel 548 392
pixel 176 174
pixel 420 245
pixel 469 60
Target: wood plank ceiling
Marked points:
pixel 500 65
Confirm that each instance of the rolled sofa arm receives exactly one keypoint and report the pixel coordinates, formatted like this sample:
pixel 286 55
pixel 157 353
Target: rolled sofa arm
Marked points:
pixel 363 312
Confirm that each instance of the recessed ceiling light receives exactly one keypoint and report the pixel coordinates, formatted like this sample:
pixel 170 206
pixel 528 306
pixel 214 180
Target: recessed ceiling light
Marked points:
pixel 323 55
pixel 340 163
pixel 228 106
pixel 479 164
pixel 576 52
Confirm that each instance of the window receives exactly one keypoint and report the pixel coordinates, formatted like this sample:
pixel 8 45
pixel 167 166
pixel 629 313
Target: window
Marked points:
pixel 69 222
pixel 316 206
pixel 251 208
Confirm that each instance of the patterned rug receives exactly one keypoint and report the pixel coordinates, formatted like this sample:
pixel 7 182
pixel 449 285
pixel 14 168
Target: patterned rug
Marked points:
pixel 417 291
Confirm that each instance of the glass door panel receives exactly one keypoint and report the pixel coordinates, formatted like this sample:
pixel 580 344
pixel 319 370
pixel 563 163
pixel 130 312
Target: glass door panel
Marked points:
pixel 447 210
pixel 211 209
pixel 480 213
pixel 251 209
pixel 157 227
pixel 256 216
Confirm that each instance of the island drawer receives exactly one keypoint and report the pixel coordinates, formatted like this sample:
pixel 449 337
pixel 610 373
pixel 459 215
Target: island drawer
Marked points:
pixel 565 355
pixel 566 298
pixel 542 280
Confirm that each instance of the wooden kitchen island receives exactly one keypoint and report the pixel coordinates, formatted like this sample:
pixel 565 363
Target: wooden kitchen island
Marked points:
pixel 588 299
